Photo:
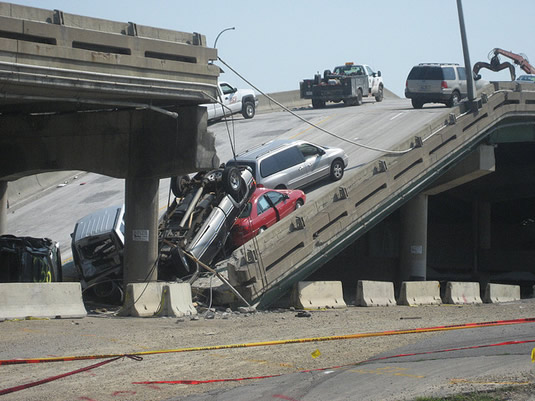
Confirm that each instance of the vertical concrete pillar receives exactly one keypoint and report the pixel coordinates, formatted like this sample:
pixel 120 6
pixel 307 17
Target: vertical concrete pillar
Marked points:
pixel 413 251
pixel 3 207
pixel 141 230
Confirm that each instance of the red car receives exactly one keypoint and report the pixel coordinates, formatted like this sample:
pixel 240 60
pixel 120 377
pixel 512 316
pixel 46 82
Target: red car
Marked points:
pixel 265 208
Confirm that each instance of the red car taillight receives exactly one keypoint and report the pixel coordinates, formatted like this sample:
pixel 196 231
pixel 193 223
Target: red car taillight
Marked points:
pixel 444 85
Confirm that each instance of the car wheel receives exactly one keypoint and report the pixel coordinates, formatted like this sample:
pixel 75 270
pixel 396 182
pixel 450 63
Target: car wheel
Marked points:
pixel 358 100
pixel 248 110
pixel 337 170
pixel 380 95
pixel 108 291
pixel 417 104
pixel 454 100
pixel 179 184
pixel 280 186
pixel 232 182
pixel 298 204
pixel 318 104
pixel 261 230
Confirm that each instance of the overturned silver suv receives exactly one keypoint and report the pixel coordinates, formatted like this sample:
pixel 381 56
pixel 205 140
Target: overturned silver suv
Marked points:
pixel 193 231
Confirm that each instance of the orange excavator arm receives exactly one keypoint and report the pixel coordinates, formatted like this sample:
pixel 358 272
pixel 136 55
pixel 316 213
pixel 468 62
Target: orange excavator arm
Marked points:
pixel 496 65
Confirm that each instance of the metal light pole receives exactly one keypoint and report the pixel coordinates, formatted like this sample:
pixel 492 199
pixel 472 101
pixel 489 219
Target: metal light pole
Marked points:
pixel 467 64
pixel 219 34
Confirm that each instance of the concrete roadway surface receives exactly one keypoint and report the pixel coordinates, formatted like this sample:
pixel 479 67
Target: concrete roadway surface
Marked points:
pixel 55 213
pixel 435 374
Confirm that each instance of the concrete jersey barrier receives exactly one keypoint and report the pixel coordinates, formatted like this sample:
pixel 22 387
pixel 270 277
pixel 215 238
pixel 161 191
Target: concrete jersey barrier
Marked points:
pixel 501 293
pixel 319 295
pixel 375 293
pixel 158 299
pixel 43 300
pixel 420 293
pixel 462 293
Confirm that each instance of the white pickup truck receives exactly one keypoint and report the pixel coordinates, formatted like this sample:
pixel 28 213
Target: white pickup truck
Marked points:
pixel 235 100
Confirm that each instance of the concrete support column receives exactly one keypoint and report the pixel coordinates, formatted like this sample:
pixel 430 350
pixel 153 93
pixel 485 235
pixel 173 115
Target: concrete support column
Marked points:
pixel 3 207
pixel 141 230
pixel 413 252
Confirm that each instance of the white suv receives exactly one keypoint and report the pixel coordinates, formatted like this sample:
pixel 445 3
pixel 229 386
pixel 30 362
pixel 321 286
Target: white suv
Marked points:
pixel 437 83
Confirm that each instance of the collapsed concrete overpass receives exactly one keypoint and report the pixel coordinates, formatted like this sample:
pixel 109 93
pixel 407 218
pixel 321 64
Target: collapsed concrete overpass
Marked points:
pixel 384 222
pixel 119 99
pixel 111 112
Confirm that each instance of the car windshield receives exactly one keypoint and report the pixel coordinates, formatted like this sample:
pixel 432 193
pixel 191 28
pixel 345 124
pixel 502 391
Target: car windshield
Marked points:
pixel 348 70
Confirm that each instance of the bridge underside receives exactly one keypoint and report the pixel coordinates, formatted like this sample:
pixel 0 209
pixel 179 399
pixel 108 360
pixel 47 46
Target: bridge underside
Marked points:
pixel 482 230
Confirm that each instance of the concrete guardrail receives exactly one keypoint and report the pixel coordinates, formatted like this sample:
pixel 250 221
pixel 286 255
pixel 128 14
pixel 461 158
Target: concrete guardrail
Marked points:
pixel 42 300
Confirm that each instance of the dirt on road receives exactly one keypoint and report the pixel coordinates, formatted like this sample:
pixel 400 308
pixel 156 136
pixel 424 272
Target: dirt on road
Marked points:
pixel 103 333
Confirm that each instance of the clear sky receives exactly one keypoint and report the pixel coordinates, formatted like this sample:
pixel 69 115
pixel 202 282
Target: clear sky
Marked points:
pixel 277 43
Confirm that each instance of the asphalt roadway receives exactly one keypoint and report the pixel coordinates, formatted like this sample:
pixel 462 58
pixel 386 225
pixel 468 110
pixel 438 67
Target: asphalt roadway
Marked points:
pixel 309 369
pixel 452 362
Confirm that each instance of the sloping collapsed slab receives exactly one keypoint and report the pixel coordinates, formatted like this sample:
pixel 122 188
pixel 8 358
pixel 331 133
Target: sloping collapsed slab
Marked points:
pixel 158 299
pixel 319 295
pixel 44 300
pixel 375 293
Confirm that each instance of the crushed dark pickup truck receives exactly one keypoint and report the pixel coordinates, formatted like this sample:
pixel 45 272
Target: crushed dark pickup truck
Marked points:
pixel 193 230
pixel 28 259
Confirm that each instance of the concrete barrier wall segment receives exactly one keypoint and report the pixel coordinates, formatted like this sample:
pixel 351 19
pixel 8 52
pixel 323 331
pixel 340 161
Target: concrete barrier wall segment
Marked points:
pixel 31 186
pixel 41 300
pixel 158 299
pixel 375 293
pixel 319 295
pixel 459 293
pixel 420 293
pixel 495 293
pixel 366 196
pixel 176 300
pixel 142 299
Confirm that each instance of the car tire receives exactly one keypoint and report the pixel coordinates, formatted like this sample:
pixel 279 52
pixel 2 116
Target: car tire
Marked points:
pixel 358 100
pixel 417 104
pixel 233 183
pixel 318 104
pixel 298 203
pixel 179 184
pixel 380 95
pixel 337 170
pixel 454 100
pixel 248 110
pixel 261 230
pixel 280 186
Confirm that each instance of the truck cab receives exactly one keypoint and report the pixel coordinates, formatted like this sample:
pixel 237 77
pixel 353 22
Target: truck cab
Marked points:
pixel 233 101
